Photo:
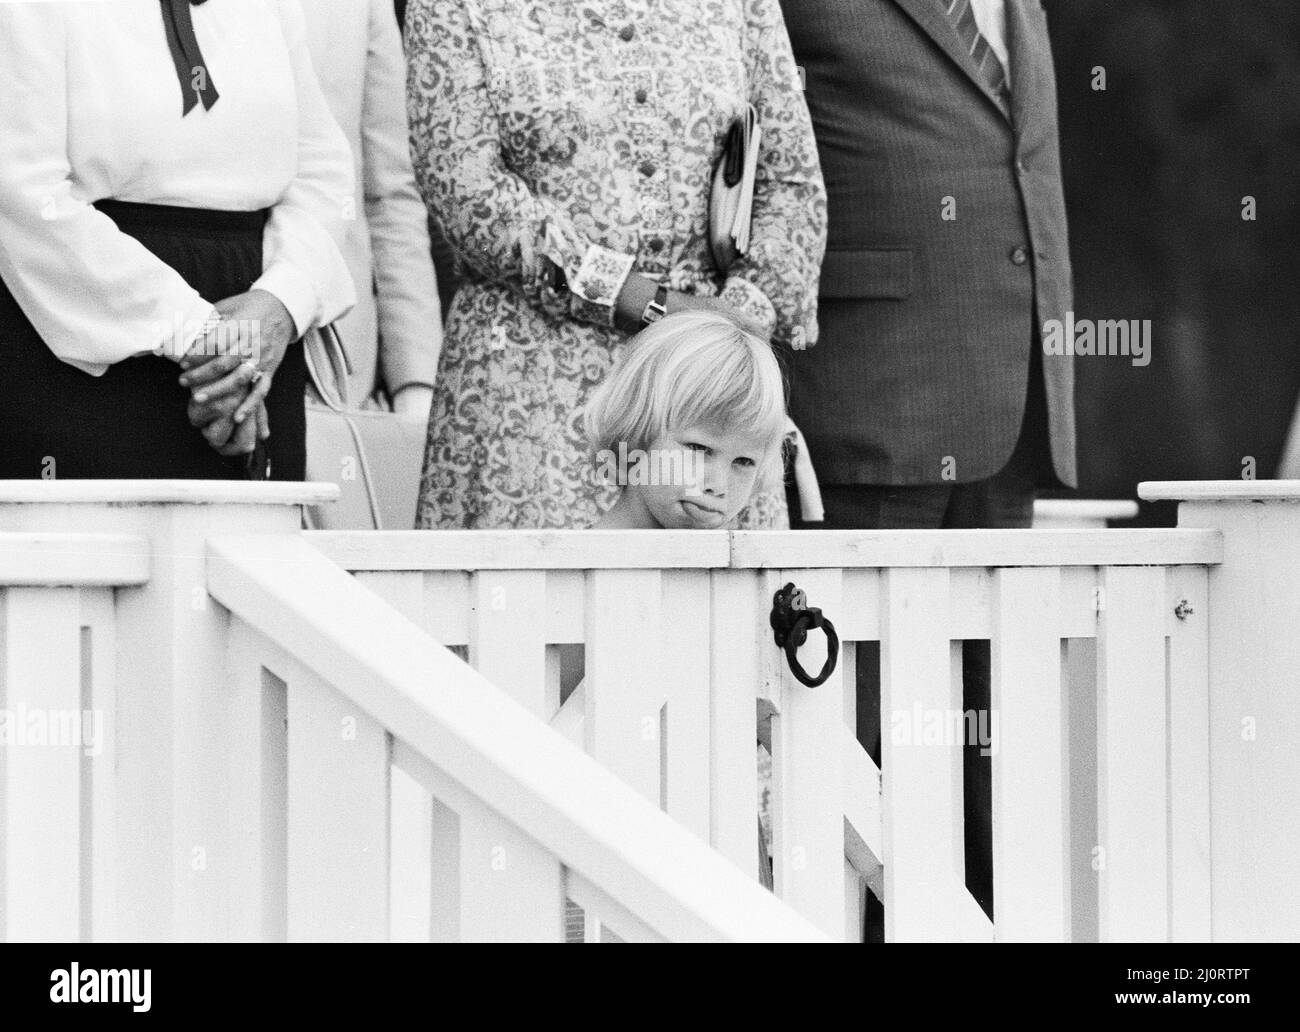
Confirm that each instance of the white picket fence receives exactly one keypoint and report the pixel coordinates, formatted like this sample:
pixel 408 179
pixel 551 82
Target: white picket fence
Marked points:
pixel 287 751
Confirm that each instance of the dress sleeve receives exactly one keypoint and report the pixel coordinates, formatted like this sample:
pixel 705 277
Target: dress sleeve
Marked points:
pixel 302 246
pixel 410 316
pixel 776 281
pixel 94 294
pixel 500 229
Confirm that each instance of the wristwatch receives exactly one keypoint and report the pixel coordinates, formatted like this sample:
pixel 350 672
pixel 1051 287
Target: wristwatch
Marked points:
pixel 657 307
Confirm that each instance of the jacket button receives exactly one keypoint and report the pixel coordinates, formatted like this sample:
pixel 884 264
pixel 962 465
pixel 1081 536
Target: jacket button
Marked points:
pixel 1019 256
pixel 641 96
pixel 647 168
pixel 1021 166
pixel 655 244
pixel 626 33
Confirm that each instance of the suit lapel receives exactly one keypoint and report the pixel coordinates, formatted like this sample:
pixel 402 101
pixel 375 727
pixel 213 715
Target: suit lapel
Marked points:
pixel 934 21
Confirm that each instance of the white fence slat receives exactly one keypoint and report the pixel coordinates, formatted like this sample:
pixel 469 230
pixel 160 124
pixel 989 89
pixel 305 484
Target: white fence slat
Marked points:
pixel 507 636
pixel 511 889
pixel 1030 885
pixel 410 901
pixel 410 806
pixel 860 613
pixel 807 772
pixel 338 817
pixel 685 669
pixel 490 882
pixel 99 620
pixel 625 683
pixel 1131 795
pixel 970 603
pixel 447 607
pixel 739 630
pixel 566 592
pixel 1189 755
pixel 257 795
pixel 41 679
pixel 922 794
pixel 1080 684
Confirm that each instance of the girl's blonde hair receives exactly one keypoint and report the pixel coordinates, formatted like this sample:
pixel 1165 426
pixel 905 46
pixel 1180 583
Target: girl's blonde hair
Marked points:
pixel 694 368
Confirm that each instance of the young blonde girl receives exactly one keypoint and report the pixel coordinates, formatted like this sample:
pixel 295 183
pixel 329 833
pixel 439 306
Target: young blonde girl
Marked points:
pixel 686 423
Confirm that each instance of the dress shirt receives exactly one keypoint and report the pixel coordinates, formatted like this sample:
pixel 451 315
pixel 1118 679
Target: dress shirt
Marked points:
pixel 91 109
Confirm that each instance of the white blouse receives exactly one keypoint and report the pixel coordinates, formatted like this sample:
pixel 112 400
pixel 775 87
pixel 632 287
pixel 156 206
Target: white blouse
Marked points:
pixel 91 108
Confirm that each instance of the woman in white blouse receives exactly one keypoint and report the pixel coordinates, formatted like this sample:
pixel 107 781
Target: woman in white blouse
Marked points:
pixel 172 199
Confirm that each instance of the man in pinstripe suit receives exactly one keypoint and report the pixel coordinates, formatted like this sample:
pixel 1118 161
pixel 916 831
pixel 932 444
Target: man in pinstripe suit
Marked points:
pixel 928 402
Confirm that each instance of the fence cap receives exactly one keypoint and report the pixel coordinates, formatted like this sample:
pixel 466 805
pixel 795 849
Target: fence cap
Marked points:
pixel 165 492
pixel 1086 508
pixel 1220 490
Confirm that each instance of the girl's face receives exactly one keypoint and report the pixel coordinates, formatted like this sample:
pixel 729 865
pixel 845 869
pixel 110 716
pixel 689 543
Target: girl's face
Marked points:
pixel 710 476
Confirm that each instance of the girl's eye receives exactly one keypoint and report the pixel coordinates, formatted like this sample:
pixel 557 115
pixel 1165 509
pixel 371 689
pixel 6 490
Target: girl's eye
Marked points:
pixel 747 463
pixel 692 446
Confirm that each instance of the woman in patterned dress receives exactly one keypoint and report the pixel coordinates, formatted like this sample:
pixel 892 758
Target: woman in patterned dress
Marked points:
pixel 566 147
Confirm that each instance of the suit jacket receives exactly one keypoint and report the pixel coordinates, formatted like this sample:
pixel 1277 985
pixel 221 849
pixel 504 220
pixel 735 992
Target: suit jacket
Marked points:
pixel 394 334
pixel 928 321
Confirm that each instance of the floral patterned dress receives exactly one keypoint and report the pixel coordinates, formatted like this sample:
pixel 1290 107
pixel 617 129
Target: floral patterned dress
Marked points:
pixel 562 144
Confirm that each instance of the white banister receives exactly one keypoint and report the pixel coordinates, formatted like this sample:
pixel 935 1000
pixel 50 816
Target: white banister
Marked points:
pixel 475 735
pixel 1253 723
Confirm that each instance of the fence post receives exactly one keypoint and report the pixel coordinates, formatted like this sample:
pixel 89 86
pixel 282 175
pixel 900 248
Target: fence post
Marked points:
pixel 1254 719
pixel 178 841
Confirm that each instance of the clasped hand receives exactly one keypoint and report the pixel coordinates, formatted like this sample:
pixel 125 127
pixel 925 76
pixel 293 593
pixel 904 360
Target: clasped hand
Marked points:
pixel 228 371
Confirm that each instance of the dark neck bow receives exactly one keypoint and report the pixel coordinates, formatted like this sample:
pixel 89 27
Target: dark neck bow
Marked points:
pixel 191 69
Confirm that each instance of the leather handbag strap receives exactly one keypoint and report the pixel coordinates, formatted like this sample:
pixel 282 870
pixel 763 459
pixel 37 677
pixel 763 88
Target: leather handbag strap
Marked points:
pixel 327 369
pixel 367 475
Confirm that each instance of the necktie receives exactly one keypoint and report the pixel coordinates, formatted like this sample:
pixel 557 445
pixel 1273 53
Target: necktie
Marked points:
pixel 191 69
pixel 990 68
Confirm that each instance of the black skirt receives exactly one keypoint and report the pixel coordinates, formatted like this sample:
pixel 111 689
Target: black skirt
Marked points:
pixel 59 422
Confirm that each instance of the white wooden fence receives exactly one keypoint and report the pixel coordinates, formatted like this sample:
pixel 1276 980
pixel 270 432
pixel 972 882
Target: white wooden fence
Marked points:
pixel 289 752
pixel 257 709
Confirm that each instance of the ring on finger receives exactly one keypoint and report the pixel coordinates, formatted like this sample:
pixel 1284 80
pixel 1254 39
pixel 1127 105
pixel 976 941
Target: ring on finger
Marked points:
pixel 256 374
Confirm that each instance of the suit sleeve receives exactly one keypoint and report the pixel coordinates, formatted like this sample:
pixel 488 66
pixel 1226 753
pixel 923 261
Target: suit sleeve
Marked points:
pixel 303 243
pixel 94 294
pixel 499 228
pixel 777 280
pixel 410 316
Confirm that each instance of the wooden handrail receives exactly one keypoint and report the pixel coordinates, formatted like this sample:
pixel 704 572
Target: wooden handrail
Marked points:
pixel 475 735
pixel 621 549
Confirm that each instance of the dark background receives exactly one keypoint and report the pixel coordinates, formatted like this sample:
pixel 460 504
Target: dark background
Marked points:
pixel 1201 109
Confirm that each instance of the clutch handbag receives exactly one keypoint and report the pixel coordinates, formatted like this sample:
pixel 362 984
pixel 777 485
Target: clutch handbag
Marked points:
pixel 731 200
pixel 374 456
